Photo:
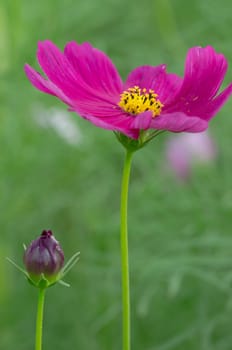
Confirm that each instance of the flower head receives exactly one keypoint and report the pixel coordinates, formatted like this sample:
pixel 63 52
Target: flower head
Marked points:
pixel 87 81
pixel 185 150
pixel 44 258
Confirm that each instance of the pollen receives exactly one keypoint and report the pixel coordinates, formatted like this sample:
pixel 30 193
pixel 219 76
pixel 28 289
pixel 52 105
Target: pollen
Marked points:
pixel 136 100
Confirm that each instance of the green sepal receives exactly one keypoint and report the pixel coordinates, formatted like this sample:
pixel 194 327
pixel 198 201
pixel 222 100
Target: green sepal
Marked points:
pixel 44 283
pixel 70 263
pixel 133 145
pixel 18 267
pixel 63 283
pixel 130 144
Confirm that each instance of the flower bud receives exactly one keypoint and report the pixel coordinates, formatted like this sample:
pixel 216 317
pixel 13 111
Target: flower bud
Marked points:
pixel 44 259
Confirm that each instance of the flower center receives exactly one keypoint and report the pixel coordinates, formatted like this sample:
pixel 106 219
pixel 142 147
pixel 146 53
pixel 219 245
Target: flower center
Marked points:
pixel 136 100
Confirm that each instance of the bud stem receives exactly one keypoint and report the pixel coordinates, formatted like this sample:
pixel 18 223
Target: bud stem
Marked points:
pixel 39 320
pixel 124 254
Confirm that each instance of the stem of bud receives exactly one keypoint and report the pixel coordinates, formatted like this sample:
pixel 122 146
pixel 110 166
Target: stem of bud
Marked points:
pixel 39 320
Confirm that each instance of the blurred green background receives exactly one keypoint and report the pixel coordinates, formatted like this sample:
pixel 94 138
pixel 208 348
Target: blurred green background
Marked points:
pixel 179 234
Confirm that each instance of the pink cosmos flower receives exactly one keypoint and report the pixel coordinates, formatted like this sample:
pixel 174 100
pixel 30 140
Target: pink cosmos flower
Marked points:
pixel 86 80
pixel 185 150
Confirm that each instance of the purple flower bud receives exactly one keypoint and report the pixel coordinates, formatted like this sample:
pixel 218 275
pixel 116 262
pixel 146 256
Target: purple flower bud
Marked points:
pixel 44 256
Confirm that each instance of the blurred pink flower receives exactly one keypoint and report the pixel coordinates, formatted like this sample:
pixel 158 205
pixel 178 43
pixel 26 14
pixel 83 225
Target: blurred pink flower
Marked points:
pixel 87 81
pixel 185 150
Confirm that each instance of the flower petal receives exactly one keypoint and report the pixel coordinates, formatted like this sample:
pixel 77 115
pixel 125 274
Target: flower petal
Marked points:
pixel 57 68
pixel 95 68
pixel 145 76
pixel 213 106
pixel 121 123
pixel 204 73
pixel 142 121
pixel 65 76
pixel 156 78
pixel 45 85
pixel 178 122
pixel 86 104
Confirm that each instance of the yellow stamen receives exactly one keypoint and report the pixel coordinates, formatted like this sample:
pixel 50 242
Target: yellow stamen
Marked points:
pixel 136 100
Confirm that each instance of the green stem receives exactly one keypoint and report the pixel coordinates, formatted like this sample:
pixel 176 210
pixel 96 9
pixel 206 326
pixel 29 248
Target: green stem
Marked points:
pixel 39 320
pixel 124 254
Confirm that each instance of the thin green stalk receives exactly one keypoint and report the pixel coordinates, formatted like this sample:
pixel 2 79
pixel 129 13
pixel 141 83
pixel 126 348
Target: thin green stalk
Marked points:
pixel 124 254
pixel 39 320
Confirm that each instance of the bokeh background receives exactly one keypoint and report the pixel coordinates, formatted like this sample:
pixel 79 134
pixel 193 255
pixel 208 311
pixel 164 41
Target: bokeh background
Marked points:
pixel 60 172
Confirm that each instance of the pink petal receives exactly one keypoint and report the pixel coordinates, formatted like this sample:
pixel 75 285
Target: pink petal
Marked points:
pixel 98 109
pixel 156 78
pixel 95 107
pixel 65 76
pixel 204 73
pixel 45 85
pixel 57 68
pixel 144 76
pixel 95 68
pixel 170 85
pixel 86 103
pixel 178 122
pixel 121 123
pixel 213 106
pixel 142 121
